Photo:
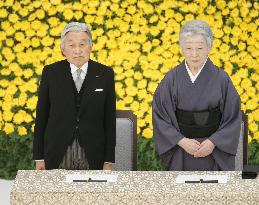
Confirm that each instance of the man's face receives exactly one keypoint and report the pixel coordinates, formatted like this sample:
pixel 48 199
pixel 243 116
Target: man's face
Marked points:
pixel 195 51
pixel 76 48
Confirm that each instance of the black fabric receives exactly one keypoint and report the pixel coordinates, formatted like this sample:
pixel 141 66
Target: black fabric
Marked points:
pixel 250 171
pixel 57 115
pixel 195 124
pixel 78 100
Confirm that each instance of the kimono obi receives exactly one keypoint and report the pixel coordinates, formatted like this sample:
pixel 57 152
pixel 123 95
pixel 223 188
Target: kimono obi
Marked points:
pixel 198 124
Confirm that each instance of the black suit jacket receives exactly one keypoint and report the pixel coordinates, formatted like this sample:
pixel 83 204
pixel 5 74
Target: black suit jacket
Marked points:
pixel 56 116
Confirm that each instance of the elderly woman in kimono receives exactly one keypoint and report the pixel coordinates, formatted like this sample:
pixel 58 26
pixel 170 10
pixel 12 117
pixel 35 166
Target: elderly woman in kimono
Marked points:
pixel 196 109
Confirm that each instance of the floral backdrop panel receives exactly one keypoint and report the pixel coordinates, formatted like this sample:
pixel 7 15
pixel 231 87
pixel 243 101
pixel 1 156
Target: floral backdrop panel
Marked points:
pixel 137 38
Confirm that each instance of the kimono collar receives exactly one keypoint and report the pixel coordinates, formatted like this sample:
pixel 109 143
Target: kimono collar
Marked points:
pixel 194 77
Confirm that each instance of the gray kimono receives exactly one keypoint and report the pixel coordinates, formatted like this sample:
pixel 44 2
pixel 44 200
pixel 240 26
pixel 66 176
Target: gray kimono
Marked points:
pixel 212 88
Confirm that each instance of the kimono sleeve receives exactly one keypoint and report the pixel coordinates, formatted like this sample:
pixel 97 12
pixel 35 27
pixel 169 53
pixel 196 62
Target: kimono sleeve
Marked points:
pixel 227 136
pixel 165 126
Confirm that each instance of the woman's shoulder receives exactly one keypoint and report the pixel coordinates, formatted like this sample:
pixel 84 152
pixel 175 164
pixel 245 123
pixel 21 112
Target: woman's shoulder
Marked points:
pixel 221 73
pixel 167 83
pixel 171 74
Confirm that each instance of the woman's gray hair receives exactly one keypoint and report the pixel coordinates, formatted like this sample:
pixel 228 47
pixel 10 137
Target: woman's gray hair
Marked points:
pixel 196 27
pixel 76 27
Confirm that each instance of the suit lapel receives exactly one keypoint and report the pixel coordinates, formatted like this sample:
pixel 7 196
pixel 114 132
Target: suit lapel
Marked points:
pixel 67 85
pixel 90 79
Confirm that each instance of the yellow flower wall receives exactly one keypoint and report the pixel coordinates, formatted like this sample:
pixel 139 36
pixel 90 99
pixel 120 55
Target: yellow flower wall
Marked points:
pixel 138 39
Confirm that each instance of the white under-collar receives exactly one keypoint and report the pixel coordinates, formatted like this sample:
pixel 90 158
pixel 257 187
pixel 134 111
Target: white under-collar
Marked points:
pixel 194 77
pixel 74 68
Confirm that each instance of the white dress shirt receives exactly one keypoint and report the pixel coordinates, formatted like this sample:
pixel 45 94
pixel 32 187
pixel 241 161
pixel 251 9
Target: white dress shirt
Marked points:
pixel 74 69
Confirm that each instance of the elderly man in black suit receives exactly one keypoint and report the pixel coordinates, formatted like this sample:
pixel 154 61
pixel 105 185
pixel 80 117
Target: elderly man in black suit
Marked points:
pixel 75 123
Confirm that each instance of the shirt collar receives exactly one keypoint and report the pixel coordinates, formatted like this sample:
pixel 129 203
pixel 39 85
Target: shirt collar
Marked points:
pixel 83 68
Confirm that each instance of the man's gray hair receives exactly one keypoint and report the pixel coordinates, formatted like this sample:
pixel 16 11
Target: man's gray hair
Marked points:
pixel 196 27
pixel 76 27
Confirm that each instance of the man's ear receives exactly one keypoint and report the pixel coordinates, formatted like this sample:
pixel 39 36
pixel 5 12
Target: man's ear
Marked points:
pixel 90 48
pixel 181 50
pixel 62 50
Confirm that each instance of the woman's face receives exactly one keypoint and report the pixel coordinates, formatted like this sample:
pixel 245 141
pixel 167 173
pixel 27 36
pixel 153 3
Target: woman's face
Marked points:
pixel 195 51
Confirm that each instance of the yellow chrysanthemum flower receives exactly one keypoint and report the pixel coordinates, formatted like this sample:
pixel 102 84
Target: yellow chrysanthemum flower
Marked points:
pixel 120 105
pixel 7 116
pixel 128 99
pixel 131 91
pixel 3 13
pixel 147 133
pixel 134 106
pixel 8 128
pixel 253 127
pixel 22 131
pixel 244 97
pixel 13 18
pixel 252 104
pixel 246 83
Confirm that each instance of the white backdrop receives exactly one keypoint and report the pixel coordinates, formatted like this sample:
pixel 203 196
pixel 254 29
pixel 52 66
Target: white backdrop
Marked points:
pixel 5 189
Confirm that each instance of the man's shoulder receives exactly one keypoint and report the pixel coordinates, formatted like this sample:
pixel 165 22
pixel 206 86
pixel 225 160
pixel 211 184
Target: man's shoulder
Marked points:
pixel 101 67
pixel 57 65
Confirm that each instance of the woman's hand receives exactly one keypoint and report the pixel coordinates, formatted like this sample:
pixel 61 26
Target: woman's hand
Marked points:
pixel 205 149
pixel 191 146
